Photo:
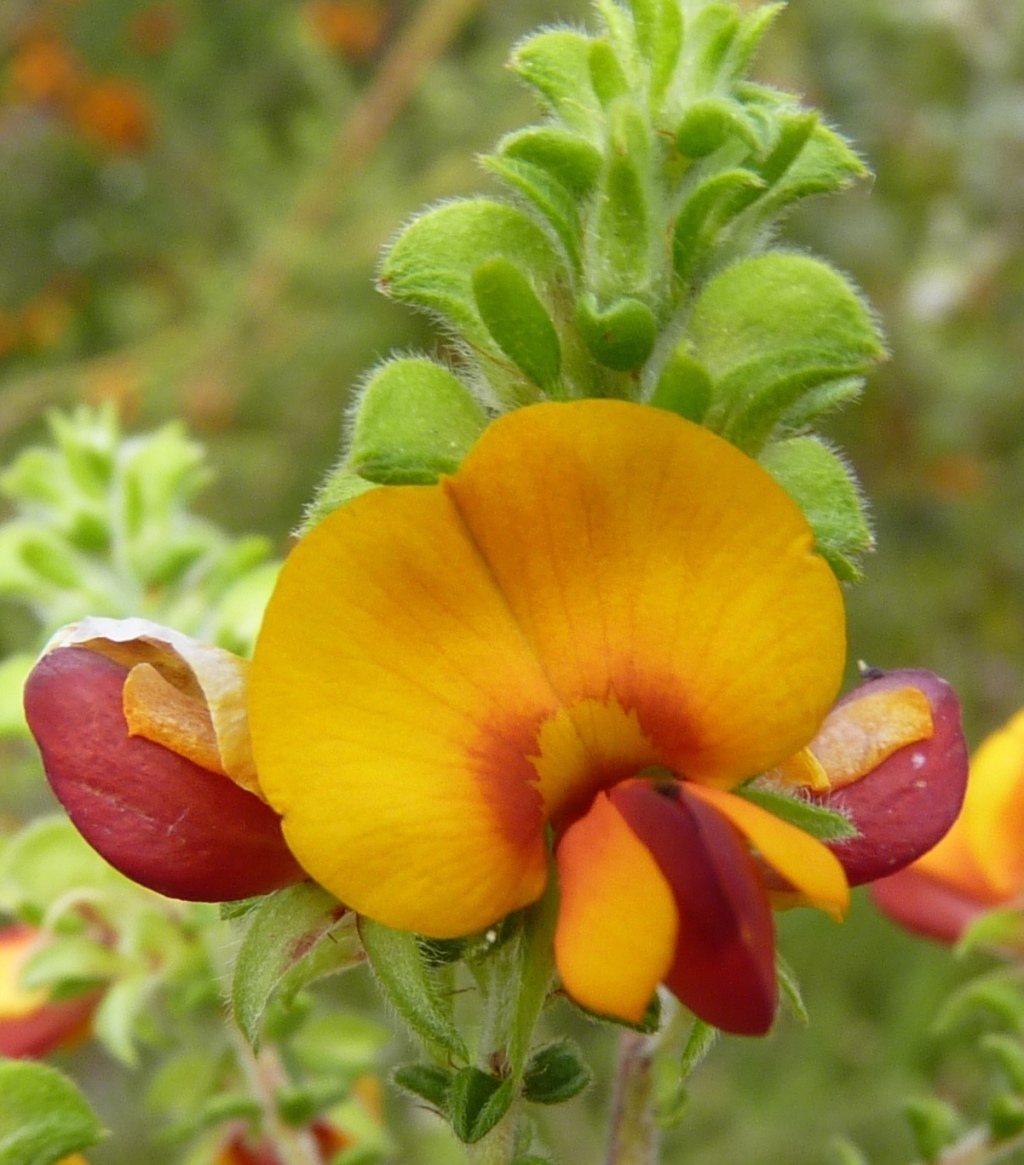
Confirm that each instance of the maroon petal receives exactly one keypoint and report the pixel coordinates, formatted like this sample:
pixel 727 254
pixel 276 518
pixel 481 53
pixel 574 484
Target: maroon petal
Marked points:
pixel 154 815
pixel 925 906
pixel 724 969
pixel 906 804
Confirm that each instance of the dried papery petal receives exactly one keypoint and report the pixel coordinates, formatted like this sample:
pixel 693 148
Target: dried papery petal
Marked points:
pixel 724 968
pixel 201 710
pixel 154 815
pixel 905 804
pixel 927 906
pixel 31 1024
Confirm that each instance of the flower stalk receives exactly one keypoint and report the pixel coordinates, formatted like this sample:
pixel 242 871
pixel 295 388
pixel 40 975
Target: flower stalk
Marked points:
pixel 633 1133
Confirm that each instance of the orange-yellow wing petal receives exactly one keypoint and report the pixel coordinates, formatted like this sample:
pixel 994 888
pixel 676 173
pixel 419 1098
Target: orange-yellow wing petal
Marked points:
pixel 616 933
pixel 801 859
pixel 393 704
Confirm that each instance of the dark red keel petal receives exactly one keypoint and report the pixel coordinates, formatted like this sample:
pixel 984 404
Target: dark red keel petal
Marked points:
pixel 158 818
pixel 926 906
pixel 907 804
pixel 724 968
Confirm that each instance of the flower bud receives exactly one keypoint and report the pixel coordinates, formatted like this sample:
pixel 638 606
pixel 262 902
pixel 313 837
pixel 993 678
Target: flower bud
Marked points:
pixel 145 743
pixel 895 760
pixel 31 1024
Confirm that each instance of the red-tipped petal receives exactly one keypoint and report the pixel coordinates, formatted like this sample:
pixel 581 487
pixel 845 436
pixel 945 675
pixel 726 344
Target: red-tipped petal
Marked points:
pixel 724 968
pixel 908 802
pixel 154 815
pixel 926 906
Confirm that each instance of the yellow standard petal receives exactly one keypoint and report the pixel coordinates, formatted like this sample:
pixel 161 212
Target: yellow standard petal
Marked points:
pixel 649 562
pixel 617 924
pixel 802 860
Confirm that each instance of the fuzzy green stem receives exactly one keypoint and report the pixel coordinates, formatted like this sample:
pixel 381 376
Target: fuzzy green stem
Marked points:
pixel 633 1137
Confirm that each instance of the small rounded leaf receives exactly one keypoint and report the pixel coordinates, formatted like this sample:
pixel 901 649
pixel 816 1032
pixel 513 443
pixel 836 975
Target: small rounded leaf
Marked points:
pixel 622 337
pixel 414 421
pixel 555 1074
pixel 709 123
pixel 517 320
pixel 476 1102
pixel 684 386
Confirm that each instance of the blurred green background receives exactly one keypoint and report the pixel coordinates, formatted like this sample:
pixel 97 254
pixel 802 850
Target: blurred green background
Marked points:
pixel 194 197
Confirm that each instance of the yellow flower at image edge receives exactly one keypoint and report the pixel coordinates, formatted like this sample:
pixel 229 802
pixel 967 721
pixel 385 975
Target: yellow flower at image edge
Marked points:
pixel 602 623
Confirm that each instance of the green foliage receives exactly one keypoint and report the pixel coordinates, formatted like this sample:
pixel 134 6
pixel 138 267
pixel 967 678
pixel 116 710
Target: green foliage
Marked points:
pixel 476 1101
pixel 556 1073
pixel 292 937
pixel 43 1116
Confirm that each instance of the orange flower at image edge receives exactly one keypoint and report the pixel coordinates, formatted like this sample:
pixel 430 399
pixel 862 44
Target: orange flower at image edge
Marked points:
pixel 599 627
pixel 979 864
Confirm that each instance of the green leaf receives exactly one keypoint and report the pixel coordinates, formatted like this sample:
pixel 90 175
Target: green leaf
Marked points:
pixel 705 212
pixel 43 1116
pixel 337 489
pixel 825 163
pixel 709 37
pixel 476 1102
pixel 684 386
pixel 556 63
pixel 752 28
pixel 843 1152
pixel 709 123
pixel 1006 1116
pixel 547 194
pixel 412 987
pixel 13 674
pixel 414 420
pixel 1008 1054
pixel 659 34
pixel 621 239
pixel 770 329
pixel 293 937
pixel 606 74
pixel 790 987
pixel 432 262
pixel 622 336
pixel 821 823
pixel 1001 927
pixel 514 315
pixel 427 1081
pixel 121 1014
pixel 699 1042
pixel 823 486
pixel 556 1073
pixel 570 159
pixel 47 860
pixel 933 1123
pixel 71 959
pixel 998 995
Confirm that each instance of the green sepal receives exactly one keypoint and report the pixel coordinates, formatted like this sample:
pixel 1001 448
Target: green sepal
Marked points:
pixel 794 132
pixel 569 158
pixel 43 1116
pixel 337 489
pixel 477 1100
pixel 547 194
pixel 294 936
pixel 414 421
pixel 770 329
pixel 1008 1053
pixel 556 1073
pixel 410 984
pixel 702 1038
pixel 1006 1116
pixel 843 1152
pixel 431 266
pixel 709 123
pixel 429 1082
pixel 556 63
pixel 705 212
pixel 934 1124
pixel 621 337
pixel 825 163
pixel 684 386
pixel 824 487
pixel 519 323
pixel 821 823
pixel 606 74
pixel 789 986
pixel 621 32
pixel 818 402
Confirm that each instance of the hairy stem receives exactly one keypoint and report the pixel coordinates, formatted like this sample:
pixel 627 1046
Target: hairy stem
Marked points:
pixel 633 1137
